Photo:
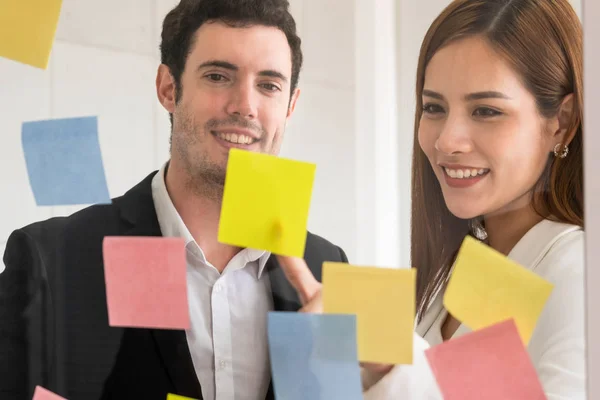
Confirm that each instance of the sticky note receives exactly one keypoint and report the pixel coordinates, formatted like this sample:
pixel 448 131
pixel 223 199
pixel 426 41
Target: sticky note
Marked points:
pixel 44 394
pixel 266 200
pixel 64 161
pixel 171 396
pixel 491 363
pixel 313 356
pixel 383 300
pixel 27 30
pixel 487 287
pixel 146 285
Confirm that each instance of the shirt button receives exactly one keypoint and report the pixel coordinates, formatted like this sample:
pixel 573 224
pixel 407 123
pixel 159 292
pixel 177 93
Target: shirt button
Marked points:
pixel 217 287
pixel 222 364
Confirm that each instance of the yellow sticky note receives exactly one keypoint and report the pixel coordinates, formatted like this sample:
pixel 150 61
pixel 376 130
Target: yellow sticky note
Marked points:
pixel 487 287
pixel 383 300
pixel 27 29
pixel 266 202
pixel 171 396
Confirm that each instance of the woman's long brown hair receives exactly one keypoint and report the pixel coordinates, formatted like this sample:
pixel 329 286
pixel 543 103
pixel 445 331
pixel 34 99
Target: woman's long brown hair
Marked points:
pixel 542 40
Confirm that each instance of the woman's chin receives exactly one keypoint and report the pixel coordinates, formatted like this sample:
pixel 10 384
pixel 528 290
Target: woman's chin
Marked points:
pixel 463 211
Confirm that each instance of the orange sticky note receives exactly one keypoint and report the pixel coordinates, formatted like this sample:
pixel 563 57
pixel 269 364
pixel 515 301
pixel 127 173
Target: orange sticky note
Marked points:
pixel 487 287
pixel 490 364
pixel 266 200
pixel 171 396
pixel 44 394
pixel 27 30
pixel 146 285
pixel 383 300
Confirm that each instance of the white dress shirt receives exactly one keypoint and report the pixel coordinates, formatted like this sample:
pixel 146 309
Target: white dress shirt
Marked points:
pixel 228 312
pixel 555 252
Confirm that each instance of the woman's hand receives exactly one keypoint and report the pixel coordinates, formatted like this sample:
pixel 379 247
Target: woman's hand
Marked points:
pixel 309 290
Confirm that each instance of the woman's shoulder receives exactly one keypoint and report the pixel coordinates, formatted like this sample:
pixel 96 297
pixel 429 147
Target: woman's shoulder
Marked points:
pixel 559 248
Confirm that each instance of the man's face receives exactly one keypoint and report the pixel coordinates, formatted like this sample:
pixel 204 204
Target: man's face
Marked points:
pixel 235 94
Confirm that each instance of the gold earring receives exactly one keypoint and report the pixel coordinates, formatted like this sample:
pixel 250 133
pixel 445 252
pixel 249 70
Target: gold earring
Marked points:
pixel 563 153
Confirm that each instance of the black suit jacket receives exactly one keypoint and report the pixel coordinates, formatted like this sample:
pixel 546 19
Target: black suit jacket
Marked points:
pixel 53 314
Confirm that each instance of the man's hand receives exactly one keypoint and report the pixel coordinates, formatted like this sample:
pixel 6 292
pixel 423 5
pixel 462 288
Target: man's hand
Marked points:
pixel 309 290
pixel 298 274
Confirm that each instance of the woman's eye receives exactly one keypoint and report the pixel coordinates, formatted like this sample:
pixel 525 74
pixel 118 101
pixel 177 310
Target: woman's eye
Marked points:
pixel 431 108
pixel 486 112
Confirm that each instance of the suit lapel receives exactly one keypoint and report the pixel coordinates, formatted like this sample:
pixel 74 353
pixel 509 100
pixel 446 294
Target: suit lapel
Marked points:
pixel 139 217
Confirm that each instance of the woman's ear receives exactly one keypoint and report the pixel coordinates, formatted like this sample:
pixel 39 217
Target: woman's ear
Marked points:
pixel 566 131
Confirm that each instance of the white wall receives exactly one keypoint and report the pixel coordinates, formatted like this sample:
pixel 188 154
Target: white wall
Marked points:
pixel 322 130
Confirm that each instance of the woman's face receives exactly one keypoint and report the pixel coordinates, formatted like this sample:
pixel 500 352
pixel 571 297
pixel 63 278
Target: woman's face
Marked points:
pixel 481 130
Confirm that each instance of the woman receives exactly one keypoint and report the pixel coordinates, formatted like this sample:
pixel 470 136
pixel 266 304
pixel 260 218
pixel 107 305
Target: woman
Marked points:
pixel 497 155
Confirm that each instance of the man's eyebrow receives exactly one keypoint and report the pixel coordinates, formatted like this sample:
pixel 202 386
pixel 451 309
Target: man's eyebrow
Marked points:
pixel 273 74
pixel 232 67
pixel 218 64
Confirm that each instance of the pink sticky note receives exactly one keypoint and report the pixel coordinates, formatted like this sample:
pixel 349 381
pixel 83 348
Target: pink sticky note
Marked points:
pixel 44 394
pixel 146 282
pixel 491 363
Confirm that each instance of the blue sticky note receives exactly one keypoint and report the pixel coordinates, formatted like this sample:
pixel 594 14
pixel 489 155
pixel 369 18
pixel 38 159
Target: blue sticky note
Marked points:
pixel 64 162
pixel 314 356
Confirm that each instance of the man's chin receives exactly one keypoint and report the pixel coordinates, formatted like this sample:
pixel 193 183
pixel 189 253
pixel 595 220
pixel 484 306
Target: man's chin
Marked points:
pixel 212 178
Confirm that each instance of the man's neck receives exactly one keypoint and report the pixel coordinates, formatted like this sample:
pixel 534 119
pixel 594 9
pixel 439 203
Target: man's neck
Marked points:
pixel 201 216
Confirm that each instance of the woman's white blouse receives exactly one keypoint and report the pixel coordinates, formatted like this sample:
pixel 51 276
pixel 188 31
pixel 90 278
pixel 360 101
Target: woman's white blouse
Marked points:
pixel 553 251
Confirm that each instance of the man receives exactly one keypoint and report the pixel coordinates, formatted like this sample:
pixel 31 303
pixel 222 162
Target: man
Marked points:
pixel 228 78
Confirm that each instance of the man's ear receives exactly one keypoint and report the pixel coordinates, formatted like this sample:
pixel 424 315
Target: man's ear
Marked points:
pixel 165 88
pixel 565 131
pixel 293 100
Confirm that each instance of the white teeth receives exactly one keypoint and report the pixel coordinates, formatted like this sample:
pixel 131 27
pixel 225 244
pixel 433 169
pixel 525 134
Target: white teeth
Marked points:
pixel 464 173
pixel 235 138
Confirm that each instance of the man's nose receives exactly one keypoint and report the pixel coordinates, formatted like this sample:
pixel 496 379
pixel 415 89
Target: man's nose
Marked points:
pixel 243 101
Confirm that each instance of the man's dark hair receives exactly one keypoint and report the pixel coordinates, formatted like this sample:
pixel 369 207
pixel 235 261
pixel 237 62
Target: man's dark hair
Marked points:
pixel 181 24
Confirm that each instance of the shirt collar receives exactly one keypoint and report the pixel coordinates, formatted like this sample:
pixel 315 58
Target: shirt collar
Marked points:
pixel 171 224
pixel 262 260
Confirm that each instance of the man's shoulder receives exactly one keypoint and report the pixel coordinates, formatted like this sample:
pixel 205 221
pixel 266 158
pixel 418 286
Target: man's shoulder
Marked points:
pixel 95 218
pixel 318 246
pixel 88 217
pixel 318 241
pixel 74 231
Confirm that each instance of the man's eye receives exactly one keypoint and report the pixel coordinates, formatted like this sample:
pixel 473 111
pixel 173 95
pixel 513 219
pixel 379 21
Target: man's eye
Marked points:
pixel 270 87
pixel 216 77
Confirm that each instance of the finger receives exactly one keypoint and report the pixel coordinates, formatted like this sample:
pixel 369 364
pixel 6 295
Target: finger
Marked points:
pixel 300 277
pixel 376 367
pixel 315 305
